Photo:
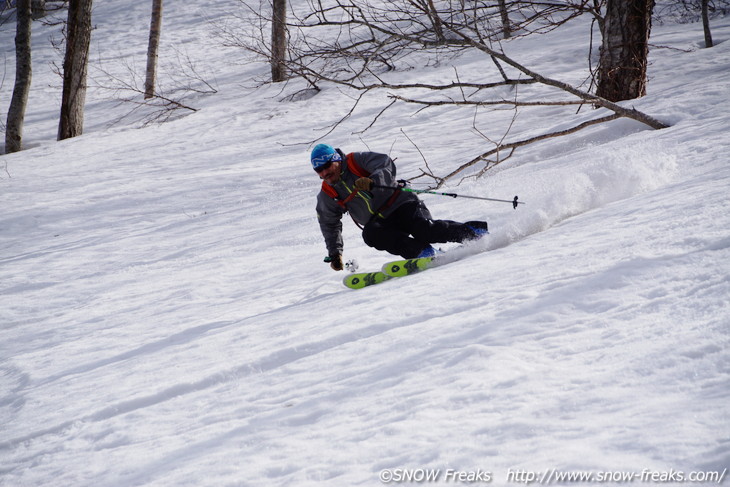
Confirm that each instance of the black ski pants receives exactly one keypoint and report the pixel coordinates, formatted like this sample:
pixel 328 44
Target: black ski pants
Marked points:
pixel 410 229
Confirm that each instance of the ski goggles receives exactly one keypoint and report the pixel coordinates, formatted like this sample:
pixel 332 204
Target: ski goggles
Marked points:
pixel 324 165
pixel 324 161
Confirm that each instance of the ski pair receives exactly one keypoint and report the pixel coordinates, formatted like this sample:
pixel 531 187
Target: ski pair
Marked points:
pixel 396 268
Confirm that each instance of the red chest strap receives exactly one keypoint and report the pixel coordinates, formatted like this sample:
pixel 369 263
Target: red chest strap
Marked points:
pixel 355 169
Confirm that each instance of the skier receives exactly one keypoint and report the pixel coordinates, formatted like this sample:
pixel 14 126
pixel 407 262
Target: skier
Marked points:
pixel 364 184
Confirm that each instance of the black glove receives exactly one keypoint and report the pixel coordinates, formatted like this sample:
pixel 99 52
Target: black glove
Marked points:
pixel 336 262
pixel 364 184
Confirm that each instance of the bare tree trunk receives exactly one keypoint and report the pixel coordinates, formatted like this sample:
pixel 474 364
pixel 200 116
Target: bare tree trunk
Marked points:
pixel 706 23
pixel 23 74
pixel 75 66
pixel 506 29
pixel 278 41
pixel 436 21
pixel 155 28
pixel 625 49
pixel 38 7
pixel 596 12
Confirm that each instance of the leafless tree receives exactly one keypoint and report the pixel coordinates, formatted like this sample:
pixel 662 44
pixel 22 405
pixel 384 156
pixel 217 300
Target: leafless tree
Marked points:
pixel 23 74
pixel 625 50
pixel 688 11
pixel 38 7
pixel 706 23
pixel 504 16
pixel 263 30
pixel 75 67
pixel 154 43
pixel 278 40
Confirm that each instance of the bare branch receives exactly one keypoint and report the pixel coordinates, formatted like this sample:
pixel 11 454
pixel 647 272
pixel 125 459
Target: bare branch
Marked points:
pixel 532 140
pixel 129 89
pixel 428 173
pixel 515 103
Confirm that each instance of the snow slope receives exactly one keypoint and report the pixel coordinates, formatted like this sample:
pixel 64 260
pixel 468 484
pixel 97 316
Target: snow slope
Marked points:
pixel 166 320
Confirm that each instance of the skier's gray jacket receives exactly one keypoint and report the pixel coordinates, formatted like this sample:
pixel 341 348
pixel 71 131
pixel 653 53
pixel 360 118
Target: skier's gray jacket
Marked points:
pixel 366 205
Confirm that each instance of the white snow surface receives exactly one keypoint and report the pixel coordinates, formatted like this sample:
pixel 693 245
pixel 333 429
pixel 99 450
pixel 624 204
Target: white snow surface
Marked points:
pixel 166 318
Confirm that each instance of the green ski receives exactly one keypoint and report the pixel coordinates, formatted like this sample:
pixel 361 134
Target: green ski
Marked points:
pixel 363 279
pixel 396 268
pixel 405 267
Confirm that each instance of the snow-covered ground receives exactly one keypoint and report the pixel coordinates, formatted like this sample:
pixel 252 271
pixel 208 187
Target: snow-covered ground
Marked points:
pixel 166 318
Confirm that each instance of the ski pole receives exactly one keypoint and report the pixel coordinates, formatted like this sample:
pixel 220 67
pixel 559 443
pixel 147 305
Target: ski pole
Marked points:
pixel 453 195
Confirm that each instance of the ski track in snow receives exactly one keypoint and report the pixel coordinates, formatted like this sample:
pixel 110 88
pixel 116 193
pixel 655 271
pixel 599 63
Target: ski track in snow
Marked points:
pixel 165 317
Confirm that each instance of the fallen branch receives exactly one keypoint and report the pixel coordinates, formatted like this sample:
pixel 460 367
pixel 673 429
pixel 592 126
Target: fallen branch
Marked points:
pixel 588 97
